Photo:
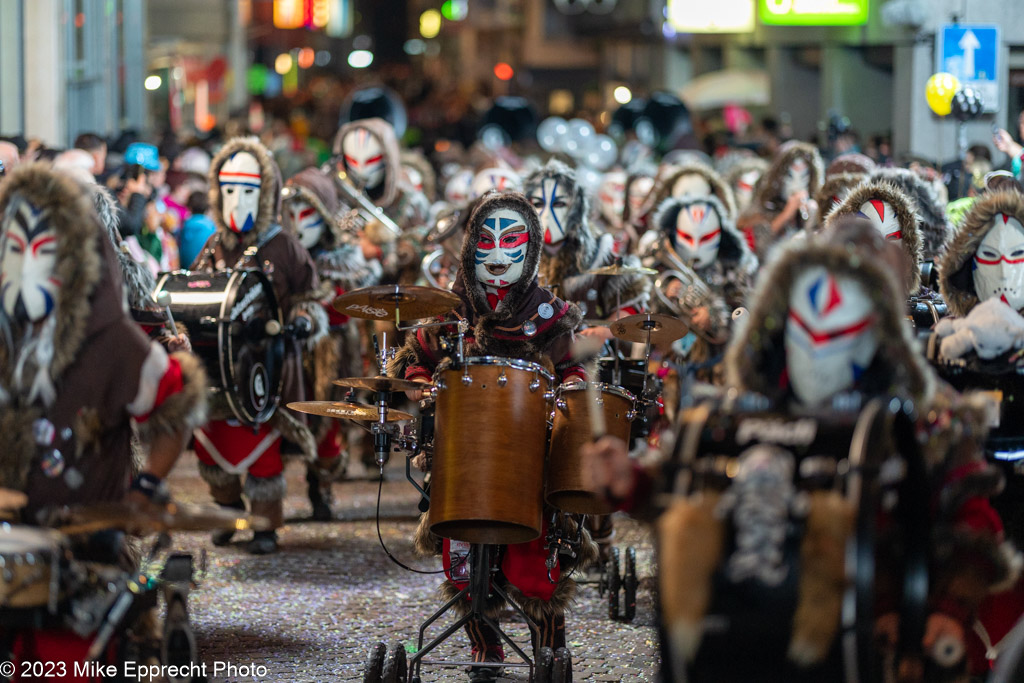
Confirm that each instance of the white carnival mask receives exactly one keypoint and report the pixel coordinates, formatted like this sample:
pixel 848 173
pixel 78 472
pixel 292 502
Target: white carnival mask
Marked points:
pixel 364 157
pixel 306 221
pixel 882 216
pixel 413 177
pixel 698 234
pixel 830 334
pixel 691 185
pixel 552 201
pixel 28 259
pixel 501 249
pixel 459 187
pixel 611 198
pixel 240 179
pixel 999 263
pixel 797 178
pixel 744 190
pixel 500 179
pixel 639 190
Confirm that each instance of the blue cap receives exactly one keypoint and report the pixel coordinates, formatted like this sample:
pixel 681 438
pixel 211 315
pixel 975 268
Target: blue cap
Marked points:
pixel 143 154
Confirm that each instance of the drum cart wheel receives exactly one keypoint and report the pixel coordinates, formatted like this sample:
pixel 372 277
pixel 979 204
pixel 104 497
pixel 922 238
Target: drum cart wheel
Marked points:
pixel 395 667
pixel 178 646
pixel 614 583
pixel 629 585
pixel 373 672
pixel 545 665
pixel 562 670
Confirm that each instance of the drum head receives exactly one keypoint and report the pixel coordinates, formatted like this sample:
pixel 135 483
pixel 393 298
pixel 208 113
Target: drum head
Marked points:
pixel 251 360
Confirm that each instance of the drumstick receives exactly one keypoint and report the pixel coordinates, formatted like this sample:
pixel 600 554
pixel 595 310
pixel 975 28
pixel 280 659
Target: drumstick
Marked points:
pixel 594 407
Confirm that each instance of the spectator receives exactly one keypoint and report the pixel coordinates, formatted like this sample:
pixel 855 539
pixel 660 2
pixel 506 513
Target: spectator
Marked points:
pixel 97 148
pixel 1005 143
pixel 9 155
pixel 197 228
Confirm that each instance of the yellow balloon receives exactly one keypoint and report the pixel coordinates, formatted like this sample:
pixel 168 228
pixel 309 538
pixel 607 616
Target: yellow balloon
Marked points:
pixel 939 92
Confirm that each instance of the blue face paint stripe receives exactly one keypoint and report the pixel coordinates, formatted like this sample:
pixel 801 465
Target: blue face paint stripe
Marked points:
pixel 517 256
pixel 551 207
pixel 48 298
pixel 490 223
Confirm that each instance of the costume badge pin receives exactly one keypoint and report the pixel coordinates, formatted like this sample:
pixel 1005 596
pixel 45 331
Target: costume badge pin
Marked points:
pixel 43 432
pixel 545 311
pixel 53 463
pixel 529 328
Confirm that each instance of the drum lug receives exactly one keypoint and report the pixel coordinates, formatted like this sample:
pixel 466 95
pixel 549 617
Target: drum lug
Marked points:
pixel 534 385
pixel 502 379
pixel 467 379
pixel 440 385
pixel 561 404
pixel 549 395
pixel 631 415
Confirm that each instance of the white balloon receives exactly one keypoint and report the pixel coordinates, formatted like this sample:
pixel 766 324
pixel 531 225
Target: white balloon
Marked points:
pixel 493 137
pixel 551 132
pixel 589 179
pixel 602 152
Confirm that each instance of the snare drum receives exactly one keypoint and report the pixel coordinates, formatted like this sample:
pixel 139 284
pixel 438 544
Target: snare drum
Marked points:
pixel 29 561
pixel 487 478
pixel 566 489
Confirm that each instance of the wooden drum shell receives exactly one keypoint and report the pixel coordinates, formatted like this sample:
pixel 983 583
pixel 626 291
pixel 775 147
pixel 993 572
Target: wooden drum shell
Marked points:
pixel 487 479
pixel 566 488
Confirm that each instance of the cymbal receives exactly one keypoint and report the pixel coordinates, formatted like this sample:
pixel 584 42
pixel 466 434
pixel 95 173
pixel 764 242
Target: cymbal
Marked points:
pixel 619 269
pixel 380 383
pixel 145 519
pixel 664 329
pixel 346 411
pixel 381 301
pixel 12 500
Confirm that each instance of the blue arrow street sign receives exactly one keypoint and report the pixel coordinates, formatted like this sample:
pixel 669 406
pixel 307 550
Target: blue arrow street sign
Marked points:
pixel 971 53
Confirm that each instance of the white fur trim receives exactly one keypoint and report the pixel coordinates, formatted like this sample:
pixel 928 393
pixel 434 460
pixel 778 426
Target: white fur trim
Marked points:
pixel 153 370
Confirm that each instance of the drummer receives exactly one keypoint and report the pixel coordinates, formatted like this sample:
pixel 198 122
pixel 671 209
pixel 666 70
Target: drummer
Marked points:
pixel 67 404
pixel 245 191
pixel 841 310
pixel 509 316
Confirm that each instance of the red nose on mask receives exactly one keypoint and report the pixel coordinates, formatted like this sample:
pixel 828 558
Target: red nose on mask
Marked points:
pixel 547 237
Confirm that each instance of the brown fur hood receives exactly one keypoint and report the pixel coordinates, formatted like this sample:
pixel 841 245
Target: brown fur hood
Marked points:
pixel 733 250
pixel 768 193
pixel 90 295
pixel 956 281
pixel 417 160
pixel 906 216
pixel 580 244
pixel 756 358
pixel 935 228
pixel 387 193
pixel 312 186
pixel 851 162
pixel 833 190
pixel 270 191
pixel 719 187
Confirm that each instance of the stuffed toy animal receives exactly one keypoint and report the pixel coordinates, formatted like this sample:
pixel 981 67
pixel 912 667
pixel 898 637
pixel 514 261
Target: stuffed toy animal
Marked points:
pixel 991 329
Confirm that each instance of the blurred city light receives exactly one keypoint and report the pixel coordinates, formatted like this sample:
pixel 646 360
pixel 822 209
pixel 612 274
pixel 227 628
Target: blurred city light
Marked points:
pixel 362 42
pixel 360 59
pixel 721 16
pixel 283 63
pixel 622 94
pixel 323 58
pixel 319 13
pixel 289 13
pixel 307 57
pixel 430 23
pixel 153 82
pixel 503 71
pixel 455 10
pixel 414 47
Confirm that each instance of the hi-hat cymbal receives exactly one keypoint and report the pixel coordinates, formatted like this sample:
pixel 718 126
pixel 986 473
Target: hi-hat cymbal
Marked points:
pixel 380 383
pixel 347 411
pixel 381 301
pixel 12 500
pixel 144 519
pixel 663 329
pixel 619 269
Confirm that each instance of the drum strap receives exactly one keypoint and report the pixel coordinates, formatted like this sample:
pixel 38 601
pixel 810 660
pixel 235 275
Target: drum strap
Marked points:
pixel 243 466
pixel 251 252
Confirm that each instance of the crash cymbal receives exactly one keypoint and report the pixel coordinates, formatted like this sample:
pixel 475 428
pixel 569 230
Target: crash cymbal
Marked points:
pixel 346 411
pixel 144 519
pixel 378 383
pixel 12 500
pixel 619 269
pixel 664 329
pixel 381 301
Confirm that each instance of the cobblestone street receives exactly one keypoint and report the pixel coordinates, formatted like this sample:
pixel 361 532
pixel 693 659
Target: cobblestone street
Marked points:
pixel 313 611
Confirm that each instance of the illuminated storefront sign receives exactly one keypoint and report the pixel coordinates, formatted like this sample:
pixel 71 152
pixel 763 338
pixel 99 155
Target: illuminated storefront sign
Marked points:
pixel 718 16
pixel 813 12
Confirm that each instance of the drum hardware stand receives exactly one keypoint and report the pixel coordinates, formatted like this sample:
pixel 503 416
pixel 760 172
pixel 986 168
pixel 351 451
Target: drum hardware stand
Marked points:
pixel 476 591
pixel 559 543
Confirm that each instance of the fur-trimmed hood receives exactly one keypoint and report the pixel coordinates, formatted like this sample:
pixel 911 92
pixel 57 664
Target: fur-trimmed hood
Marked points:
pixel 935 228
pixel 719 187
pixel 851 162
pixel 315 188
pixel 90 295
pixel 270 191
pixel 466 277
pixel 768 193
pixel 906 216
pixel 416 159
pixel 740 169
pixel 733 250
pixel 137 280
pixel 833 191
pixel 386 194
pixel 756 357
pixel 956 279
pixel 580 243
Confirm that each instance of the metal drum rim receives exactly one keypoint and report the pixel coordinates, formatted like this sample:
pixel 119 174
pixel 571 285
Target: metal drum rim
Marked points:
pixel 603 387
pixel 516 363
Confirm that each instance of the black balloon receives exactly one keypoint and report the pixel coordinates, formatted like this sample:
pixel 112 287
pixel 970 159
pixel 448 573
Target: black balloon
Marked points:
pixel 513 115
pixel 967 104
pixel 664 121
pixel 375 102
pixel 625 117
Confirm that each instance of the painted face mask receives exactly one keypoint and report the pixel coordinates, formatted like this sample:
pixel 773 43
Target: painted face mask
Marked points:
pixel 698 234
pixel 691 185
pixel 797 179
pixel 240 179
pixel 611 198
pixel 551 200
pixel 364 157
pixel 830 335
pixel 882 216
pixel 306 221
pixel 999 263
pixel 500 179
pixel 413 177
pixel 637 195
pixel 744 189
pixel 458 188
pixel 28 259
pixel 501 249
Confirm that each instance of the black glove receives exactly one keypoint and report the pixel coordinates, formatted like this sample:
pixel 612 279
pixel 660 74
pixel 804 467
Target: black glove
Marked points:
pixel 300 328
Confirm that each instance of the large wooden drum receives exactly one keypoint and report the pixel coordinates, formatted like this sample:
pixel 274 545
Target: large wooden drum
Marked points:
pixel 29 566
pixel 566 487
pixel 487 480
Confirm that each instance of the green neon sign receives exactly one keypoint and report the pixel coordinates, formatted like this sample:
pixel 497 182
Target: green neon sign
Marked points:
pixel 813 12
